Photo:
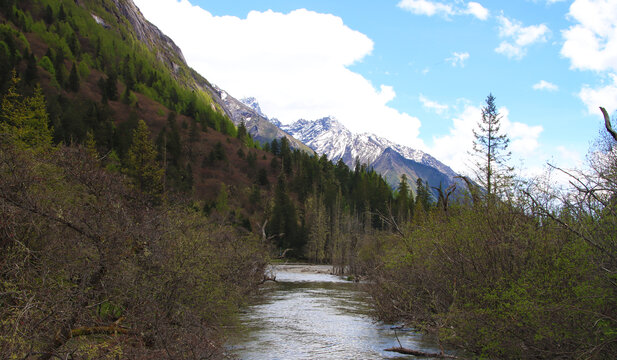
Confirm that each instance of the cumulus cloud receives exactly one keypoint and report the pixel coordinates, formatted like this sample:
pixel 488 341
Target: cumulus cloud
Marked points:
pixel 458 59
pixel 519 37
pixel 295 64
pixel 545 85
pixel 477 10
pixel 605 96
pixel 430 8
pixel 591 44
pixel 455 147
pixel 433 105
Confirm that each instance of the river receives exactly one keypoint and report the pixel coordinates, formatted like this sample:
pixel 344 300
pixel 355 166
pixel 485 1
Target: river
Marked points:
pixel 309 314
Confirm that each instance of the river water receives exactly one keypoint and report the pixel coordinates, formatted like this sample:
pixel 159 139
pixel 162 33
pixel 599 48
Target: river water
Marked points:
pixel 308 315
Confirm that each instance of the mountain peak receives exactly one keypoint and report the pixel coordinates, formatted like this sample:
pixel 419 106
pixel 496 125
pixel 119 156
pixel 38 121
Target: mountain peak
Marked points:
pixel 253 104
pixel 330 137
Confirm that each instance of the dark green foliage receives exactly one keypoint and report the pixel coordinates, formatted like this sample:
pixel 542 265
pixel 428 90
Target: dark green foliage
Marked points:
pixel 73 83
pixel 275 147
pixel 218 153
pixel 262 177
pixel 111 87
pixel 242 133
pixel 122 137
pixel 403 201
pixel 31 75
pixel 59 68
pixel 284 221
pixel 49 15
pixel 423 195
pixel 61 13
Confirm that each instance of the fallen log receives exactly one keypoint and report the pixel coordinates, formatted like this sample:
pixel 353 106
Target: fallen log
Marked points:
pixel 402 350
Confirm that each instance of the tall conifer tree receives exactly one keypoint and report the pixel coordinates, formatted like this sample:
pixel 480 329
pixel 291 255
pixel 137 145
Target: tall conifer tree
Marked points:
pixel 490 148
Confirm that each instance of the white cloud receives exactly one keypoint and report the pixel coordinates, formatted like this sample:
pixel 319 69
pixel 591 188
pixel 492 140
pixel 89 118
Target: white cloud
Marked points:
pixel 545 85
pixel 430 8
pixel 433 105
pixel 426 7
pixel 519 37
pixel 591 44
pixel 455 147
pixel 605 96
pixel 458 59
pixel 477 10
pixel 294 63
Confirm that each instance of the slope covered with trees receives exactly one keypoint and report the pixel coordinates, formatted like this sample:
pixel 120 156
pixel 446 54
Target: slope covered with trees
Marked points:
pixel 135 218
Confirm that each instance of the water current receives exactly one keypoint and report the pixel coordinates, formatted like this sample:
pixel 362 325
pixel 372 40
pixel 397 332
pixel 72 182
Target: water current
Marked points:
pixel 308 315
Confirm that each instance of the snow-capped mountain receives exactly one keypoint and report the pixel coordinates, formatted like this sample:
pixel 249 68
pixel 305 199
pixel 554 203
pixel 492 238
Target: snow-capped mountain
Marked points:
pixel 257 124
pixel 328 136
pixel 253 104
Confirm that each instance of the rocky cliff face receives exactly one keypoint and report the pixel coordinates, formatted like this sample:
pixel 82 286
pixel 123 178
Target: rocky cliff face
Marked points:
pixel 257 124
pixel 166 50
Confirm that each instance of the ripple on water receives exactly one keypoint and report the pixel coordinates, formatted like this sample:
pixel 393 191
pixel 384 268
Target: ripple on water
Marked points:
pixel 316 316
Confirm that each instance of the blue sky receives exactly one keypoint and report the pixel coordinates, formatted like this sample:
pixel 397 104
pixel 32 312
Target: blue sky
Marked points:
pixel 414 71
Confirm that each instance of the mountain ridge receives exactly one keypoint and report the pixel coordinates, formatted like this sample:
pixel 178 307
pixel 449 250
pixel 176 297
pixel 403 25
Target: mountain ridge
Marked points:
pixel 330 137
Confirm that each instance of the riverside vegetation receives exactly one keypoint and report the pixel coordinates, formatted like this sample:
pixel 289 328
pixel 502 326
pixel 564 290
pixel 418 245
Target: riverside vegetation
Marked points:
pixel 130 238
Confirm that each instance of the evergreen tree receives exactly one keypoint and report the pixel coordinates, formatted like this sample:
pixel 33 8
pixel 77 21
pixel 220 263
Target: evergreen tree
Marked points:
pixel 141 164
pixel 275 147
pixel 49 15
pixel 111 88
pixel 403 200
pixel 262 177
pixel 490 148
pixel 24 119
pixel 423 195
pixel 242 133
pixel 73 84
pixel 61 13
pixel 32 70
pixel 284 221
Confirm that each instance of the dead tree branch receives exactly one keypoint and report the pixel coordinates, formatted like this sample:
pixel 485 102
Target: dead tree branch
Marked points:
pixel 607 124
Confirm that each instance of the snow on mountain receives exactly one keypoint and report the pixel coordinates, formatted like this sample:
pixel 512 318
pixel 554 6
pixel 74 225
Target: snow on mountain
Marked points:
pixel 253 104
pixel 328 136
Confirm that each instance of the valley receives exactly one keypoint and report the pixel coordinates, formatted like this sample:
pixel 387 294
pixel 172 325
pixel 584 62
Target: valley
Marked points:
pixel 142 209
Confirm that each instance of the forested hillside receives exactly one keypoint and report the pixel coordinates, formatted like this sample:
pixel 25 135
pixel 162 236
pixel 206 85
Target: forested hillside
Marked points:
pixel 135 218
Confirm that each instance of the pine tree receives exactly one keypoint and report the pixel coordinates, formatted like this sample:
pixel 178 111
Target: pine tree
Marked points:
pixel 61 13
pixel 423 195
pixel 24 119
pixel 49 15
pixel 490 148
pixel 73 84
pixel 242 133
pixel 31 72
pixel 111 88
pixel 284 221
pixel 402 200
pixel 141 164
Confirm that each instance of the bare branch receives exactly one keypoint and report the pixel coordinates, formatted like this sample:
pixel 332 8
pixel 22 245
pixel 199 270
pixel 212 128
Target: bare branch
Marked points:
pixel 607 124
